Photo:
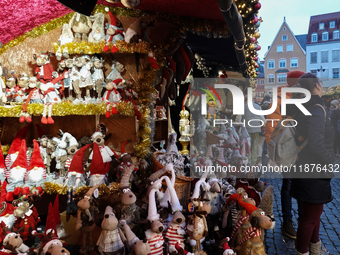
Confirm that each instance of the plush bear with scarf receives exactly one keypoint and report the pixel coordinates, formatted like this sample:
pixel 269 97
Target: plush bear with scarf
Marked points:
pixel 113 33
pixel 112 97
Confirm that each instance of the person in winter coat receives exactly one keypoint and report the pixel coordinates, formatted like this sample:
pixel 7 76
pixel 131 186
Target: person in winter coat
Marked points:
pixel 313 192
pixel 335 117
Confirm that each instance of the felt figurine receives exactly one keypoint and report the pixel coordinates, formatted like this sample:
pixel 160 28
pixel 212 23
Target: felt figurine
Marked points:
pixel 13 243
pixel 44 69
pixel 113 33
pixel 138 247
pixel 152 60
pixel 86 76
pixel 51 96
pixel 3 73
pixel 16 174
pixel 226 249
pixel 66 35
pixel 85 219
pixel 267 203
pixel 23 82
pixel 77 167
pixel 60 155
pixel 251 191
pixel 111 239
pixel 45 151
pixel 7 209
pixel 12 87
pixel 2 166
pixel 98 169
pixel 97 34
pixel 130 212
pixel 71 149
pixel 181 251
pixel 112 97
pixel 79 62
pixel 154 233
pixel 116 70
pixel 251 241
pixel 177 228
pixel 26 221
pixel 123 160
pixel 98 75
pixel 81 25
pixel 36 173
pixel 69 78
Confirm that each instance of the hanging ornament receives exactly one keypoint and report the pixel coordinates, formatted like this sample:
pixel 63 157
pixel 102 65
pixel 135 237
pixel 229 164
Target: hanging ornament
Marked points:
pixel 257 6
pixel 258 47
pixel 256 58
pixel 252 46
pixel 255 20
pixel 258 24
pixel 257 35
pixel 253 39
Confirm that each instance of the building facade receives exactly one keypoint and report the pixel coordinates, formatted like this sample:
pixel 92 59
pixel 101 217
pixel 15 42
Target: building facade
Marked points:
pixel 285 54
pixel 323 48
pixel 259 91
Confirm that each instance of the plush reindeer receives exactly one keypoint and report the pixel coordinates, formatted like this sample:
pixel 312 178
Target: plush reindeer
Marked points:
pixel 14 244
pixel 85 219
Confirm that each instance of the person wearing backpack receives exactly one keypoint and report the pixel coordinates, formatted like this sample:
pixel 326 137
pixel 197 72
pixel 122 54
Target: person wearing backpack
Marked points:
pixel 286 199
pixel 312 192
pixel 335 117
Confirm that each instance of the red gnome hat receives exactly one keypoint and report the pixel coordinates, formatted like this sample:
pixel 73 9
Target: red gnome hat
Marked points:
pixel 21 160
pixel 97 164
pixel 2 159
pixel 112 23
pixel 56 211
pixel 36 160
pixel 77 161
pixel 50 221
pixel 249 207
pixel 9 209
pixel 122 148
pixel 15 146
pixel 179 249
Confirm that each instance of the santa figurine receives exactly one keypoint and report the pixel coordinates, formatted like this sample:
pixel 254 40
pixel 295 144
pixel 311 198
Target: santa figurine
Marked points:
pixel 44 69
pixel 16 174
pixel 98 168
pixel 6 216
pixel 113 33
pixel 112 97
pixel 76 168
pixel 36 173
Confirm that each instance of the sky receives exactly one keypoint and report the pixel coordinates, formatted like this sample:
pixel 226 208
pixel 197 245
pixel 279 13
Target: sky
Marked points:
pixel 297 13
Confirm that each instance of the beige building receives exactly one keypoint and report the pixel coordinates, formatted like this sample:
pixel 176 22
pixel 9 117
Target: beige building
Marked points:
pixel 287 53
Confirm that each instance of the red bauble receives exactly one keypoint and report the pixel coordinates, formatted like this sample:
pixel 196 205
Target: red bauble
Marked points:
pixel 253 39
pixel 255 20
pixel 256 58
pixel 258 47
pixel 257 6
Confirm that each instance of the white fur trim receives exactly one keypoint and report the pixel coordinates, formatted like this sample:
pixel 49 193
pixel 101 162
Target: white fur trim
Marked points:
pixel 228 252
pixel 152 210
pixel 52 242
pixel 107 9
pixel 95 134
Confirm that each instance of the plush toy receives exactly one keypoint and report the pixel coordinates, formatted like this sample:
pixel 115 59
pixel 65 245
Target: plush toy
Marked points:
pixel 16 174
pixel 13 243
pixel 44 69
pixel 3 73
pixel 181 251
pixel 71 149
pixel 7 209
pixel 116 70
pixel 97 34
pixel 66 35
pixel 60 154
pixel 81 25
pixel 177 228
pixel 77 167
pixel 111 239
pixel 98 75
pixel 12 87
pixel 46 148
pixel 130 212
pixel 50 98
pixel 85 219
pixel 225 246
pixel 112 97
pixel 75 75
pixel 98 169
pixel 2 166
pixel 113 33
pixel 69 64
pixel 36 173
pixel 23 82
pixel 86 77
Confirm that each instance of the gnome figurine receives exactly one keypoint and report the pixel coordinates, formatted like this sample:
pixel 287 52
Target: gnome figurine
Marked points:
pixel 16 174
pixel 77 167
pixel 113 33
pixel 36 173
pixel 2 165
pixel 98 169
pixel 6 215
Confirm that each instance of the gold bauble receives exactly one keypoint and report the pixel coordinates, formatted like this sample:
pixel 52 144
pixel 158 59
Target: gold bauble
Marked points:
pixel 252 46
pixel 257 35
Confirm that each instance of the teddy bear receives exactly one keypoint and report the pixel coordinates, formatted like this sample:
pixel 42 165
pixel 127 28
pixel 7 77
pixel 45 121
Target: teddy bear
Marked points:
pixel 85 219
pixel 97 34
pixel 112 238
pixel 81 25
pixel 13 243
pixel 113 33
pixel 98 75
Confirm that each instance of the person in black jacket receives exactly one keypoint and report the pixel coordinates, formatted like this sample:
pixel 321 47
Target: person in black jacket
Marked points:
pixel 335 117
pixel 312 188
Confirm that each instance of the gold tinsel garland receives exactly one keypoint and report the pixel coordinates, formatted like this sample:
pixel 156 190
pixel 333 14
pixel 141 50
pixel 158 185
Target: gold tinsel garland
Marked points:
pixel 5 149
pixel 55 188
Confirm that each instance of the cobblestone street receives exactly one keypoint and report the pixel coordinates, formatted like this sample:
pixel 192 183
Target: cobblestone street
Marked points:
pixel 277 243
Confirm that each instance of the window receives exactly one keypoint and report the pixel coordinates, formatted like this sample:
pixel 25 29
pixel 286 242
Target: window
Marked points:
pixel 313 58
pixel 336 73
pixel 284 37
pixel 321 26
pixel 314 37
pixel 282 78
pixel 256 95
pixel 324 56
pixel 325 36
pixel 332 24
pixel 279 48
pixel 271 78
pixel 335 55
pixel 284 29
pixel 289 47
pixel 324 74
pixel 282 63
pixel 261 94
pixel 293 62
pixel 262 82
pixel 271 64
pixel 315 72
pixel 336 34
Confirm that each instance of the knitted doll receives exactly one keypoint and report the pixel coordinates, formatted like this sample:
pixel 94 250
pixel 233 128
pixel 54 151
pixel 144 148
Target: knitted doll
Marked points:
pixel 112 97
pixel 116 70
pixel 113 33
